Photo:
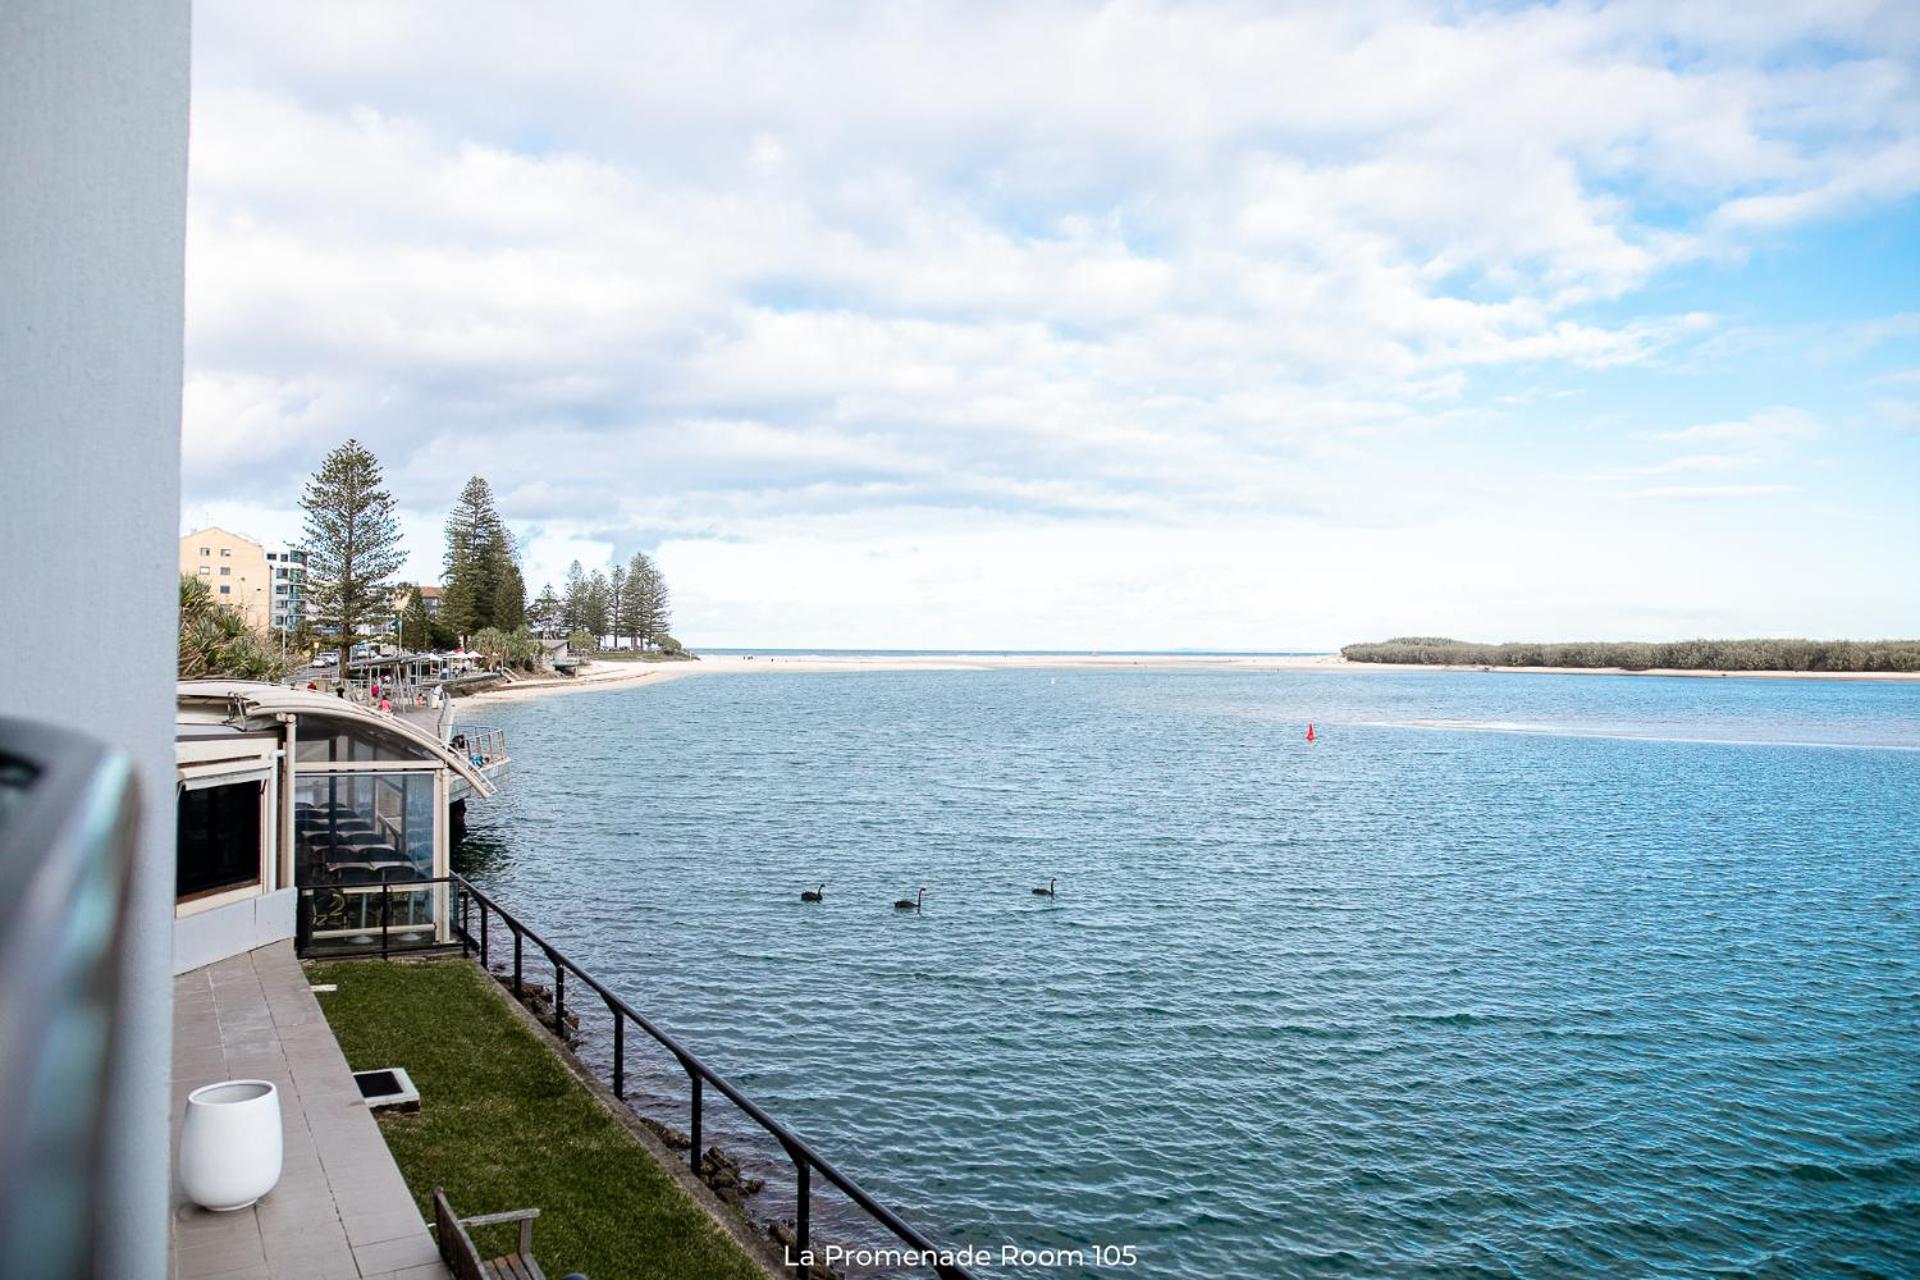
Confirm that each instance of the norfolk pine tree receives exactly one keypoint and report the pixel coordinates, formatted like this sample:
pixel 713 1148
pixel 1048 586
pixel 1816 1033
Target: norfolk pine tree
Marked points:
pixel 630 616
pixel 353 543
pixel 509 591
pixel 573 611
pixel 599 605
pixel 469 564
pixel 416 625
pixel 481 567
pixel 647 610
pixel 544 615
pixel 616 585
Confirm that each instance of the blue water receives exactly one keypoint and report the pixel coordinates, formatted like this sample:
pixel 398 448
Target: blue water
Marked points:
pixel 1629 985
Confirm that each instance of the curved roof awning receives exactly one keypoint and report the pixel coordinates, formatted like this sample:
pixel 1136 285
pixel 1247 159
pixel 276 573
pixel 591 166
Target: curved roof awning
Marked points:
pixel 252 698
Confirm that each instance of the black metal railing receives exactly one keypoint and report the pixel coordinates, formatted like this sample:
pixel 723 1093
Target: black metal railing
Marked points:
pixel 806 1161
pixel 342 920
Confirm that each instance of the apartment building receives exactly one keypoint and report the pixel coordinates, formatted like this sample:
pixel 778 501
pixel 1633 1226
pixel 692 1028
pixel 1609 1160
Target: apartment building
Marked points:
pixel 288 566
pixel 234 568
pixel 267 584
pixel 430 596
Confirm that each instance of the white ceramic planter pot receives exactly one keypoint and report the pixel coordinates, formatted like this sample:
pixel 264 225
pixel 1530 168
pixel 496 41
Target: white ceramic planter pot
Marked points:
pixel 230 1146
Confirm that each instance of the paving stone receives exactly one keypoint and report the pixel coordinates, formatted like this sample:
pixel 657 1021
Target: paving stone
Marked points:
pixel 341 1210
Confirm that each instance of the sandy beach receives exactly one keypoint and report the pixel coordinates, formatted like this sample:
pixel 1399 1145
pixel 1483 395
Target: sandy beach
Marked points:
pixel 612 674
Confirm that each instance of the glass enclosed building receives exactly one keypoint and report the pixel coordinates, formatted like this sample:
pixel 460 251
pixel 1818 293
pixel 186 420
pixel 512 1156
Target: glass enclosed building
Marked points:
pixel 286 790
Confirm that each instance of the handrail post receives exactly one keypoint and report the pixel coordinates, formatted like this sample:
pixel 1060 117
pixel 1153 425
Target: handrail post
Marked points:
pixel 466 936
pixel 386 917
pixel 693 1123
pixel 484 913
pixel 802 1211
pixel 559 997
pixel 516 964
pixel 619 1052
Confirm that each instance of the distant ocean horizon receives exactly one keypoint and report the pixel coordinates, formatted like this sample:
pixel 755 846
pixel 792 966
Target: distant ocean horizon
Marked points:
pixel 991 652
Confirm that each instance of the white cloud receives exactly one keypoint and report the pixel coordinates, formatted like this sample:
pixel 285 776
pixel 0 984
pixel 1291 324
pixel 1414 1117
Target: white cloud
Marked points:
pixel 1764 430
pixel 1879 176
pixel 1710 492
pixel 738 281
pixel 1904 414
pixel 1768 441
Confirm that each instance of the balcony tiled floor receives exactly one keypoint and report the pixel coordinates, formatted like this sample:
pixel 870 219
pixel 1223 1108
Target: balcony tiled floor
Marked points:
pixel 341 1210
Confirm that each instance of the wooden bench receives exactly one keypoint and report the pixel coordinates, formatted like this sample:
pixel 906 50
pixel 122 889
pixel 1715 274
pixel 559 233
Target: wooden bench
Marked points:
pixel 457 1248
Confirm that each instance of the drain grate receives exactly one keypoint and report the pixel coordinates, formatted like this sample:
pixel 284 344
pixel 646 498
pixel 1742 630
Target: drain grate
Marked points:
pixel 388 1089
pixel 376 1084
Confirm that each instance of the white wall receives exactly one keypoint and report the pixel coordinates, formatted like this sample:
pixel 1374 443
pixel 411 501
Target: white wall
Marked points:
pixel 93 168
pixel 206 936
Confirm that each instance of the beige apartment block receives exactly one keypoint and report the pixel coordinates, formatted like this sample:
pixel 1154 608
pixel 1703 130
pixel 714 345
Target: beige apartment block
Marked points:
pixel 234 569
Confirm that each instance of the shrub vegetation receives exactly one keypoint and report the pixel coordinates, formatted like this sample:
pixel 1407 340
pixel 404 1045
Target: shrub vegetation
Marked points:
pixel 1679 655
pixel 518 649
pixel 217 643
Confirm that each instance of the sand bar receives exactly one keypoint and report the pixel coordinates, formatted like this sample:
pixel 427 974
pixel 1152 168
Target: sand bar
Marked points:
pixel 613 674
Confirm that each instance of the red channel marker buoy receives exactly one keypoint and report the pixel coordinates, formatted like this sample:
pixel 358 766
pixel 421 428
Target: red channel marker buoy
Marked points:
pixel 1309 731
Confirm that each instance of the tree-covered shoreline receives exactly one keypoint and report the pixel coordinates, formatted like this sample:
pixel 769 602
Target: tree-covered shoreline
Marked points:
pixel 1630 655
pixel 352 537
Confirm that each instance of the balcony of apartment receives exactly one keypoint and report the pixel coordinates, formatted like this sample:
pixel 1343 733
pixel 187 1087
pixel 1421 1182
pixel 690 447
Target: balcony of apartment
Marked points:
pixel 341 1207
pixel 313 829
pixel 511 1119
pixel 507 1121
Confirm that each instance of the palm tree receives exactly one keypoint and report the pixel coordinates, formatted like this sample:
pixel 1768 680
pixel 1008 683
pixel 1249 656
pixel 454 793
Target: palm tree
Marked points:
pixel 215 640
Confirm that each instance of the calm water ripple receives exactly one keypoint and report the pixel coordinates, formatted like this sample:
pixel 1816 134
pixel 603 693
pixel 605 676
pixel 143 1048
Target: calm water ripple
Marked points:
pixel 1505 976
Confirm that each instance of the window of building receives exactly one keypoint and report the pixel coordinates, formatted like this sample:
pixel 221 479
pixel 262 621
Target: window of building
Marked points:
pixel 324 742
pixel 219 840
pixel 206 551
pixel 205 572
pixel 361 839
pixel 226 552
pixel 226 591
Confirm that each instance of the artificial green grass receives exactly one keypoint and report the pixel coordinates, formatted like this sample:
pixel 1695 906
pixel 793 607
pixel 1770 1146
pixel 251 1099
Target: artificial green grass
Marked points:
pixel 503 1125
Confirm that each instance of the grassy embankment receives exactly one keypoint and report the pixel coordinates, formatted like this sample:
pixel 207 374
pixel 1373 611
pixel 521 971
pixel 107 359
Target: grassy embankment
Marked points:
pixel 1682 655
pixel 504 1125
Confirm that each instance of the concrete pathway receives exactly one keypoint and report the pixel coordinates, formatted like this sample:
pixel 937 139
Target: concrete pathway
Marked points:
pixel 341 1210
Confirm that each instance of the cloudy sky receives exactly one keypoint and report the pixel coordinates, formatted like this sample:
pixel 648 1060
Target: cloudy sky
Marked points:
pixel 1075 325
